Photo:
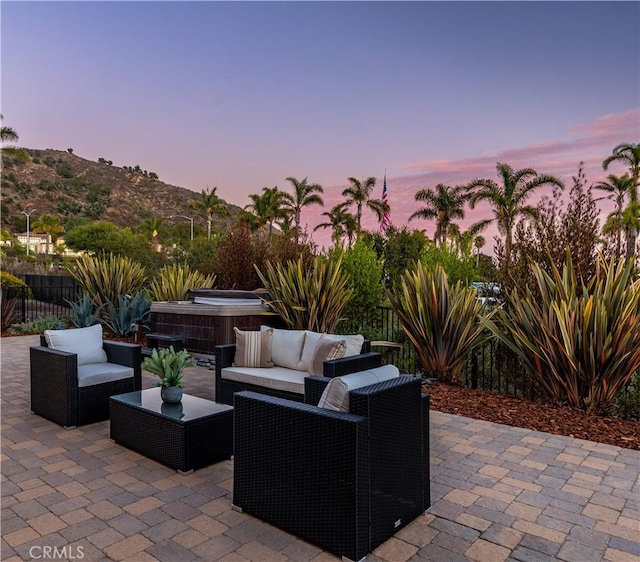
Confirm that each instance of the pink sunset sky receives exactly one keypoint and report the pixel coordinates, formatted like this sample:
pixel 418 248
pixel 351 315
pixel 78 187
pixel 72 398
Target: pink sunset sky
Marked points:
pixel 240 95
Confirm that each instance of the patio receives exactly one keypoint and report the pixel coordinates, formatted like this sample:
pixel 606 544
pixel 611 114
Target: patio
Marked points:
pixel 498 493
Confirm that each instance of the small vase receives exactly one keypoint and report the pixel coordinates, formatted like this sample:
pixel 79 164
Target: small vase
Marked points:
pixel 171 394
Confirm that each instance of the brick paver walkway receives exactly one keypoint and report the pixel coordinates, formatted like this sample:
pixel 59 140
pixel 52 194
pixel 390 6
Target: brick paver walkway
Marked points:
pixel 499 493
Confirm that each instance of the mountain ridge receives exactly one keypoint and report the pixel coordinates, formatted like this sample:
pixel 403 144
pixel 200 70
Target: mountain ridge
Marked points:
pixel 58 182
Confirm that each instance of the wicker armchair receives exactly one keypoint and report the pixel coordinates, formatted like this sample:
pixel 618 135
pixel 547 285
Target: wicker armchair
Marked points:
pixel 55 394
pixel 344 481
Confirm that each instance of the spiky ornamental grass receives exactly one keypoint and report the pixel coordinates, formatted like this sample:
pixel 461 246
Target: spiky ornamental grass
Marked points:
pixel 308 299
pixel 441 320
pixel 109 277
pixel 168 365
pixel 175 282
pixel 581 341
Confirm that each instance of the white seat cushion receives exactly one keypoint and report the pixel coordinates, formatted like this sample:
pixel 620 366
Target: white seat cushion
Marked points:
pixel 336 394
pixel 86 343
pixel 354 343
pixel 278 378
pixel 98 373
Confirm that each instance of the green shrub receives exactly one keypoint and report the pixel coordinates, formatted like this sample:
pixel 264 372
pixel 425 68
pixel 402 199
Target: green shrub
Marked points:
pixel 12 285
pixel 65 171
pixel 38 326
pixel 581 341
pixel 441 320
pixel 364 269
pixel 308 298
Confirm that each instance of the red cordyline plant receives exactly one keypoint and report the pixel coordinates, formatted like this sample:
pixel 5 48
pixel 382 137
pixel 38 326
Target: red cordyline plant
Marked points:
pixel 581 341
pixel 440 319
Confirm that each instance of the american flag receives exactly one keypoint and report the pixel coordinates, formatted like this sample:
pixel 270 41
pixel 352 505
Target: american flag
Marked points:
pixel 386 216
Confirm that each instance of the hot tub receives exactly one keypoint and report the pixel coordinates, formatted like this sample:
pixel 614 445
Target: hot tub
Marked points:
pixel 209 318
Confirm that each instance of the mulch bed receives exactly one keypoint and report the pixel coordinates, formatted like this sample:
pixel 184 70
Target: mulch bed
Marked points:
pixel 538 416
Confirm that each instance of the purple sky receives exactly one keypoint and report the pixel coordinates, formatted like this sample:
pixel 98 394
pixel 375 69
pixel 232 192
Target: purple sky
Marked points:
pixel 240 95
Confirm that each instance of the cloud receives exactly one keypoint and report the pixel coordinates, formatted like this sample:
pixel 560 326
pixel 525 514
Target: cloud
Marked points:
pixel 590 143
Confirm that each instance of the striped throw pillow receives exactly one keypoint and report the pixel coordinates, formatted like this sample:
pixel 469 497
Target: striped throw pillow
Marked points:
pixel 253 349
pixel 326 350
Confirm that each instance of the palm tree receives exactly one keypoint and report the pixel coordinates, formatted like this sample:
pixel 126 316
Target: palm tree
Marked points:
pixel 304 194
pixel 7 133
pixel 509 200
pixel 359 194
pixel 267 207
pixel 151 227
pixel 478 242
pixel 50 225
pixel 629 154
pixel 443 204
pixel 212 205
pixel 342 222
pixel 618 188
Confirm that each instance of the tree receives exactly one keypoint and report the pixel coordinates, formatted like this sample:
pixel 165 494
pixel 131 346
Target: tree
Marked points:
pixel 50 225
pixel 7 134
pixel 478 242
pixel 629 155
pixel 341 221
pixel 444 203
pixel 212 205
pixel 509 200
pixel 618 188
pixel 304 194
pixel 359 194
pixel 267 207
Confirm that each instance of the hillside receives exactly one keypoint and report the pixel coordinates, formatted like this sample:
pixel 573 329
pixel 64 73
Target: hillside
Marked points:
pixel 63 184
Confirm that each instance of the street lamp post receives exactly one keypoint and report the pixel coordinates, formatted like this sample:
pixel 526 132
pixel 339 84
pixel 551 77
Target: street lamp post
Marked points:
pixel 184 217
pixel 28 215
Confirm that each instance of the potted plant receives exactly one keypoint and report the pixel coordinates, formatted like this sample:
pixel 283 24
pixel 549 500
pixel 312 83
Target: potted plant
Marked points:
pixel 169 365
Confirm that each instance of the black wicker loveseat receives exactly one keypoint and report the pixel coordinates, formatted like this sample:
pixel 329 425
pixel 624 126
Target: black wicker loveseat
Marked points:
pixel 225 388
pixel 56 394
pixel 344 481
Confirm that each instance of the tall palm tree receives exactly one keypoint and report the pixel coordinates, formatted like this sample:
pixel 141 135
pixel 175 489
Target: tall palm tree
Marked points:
pixel 629 154
pixel 212 205
pixel 359 194
pixel 618 188
pixel 151 226
pixel 7 133
pixel 267 207
pixel 50 225
pixel 341 221
pixel 304 194
pixel 478 242
pixel 444 203
pixel 509 200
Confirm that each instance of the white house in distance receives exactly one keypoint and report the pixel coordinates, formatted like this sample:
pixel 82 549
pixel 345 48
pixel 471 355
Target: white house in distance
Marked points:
pixel 38 244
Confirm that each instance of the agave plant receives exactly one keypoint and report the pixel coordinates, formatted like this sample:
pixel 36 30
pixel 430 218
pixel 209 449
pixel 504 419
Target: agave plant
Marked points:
pixel 308 298
pixel 108 278
pixel 84 312
pixel 168 365
pixel 581 341
pixel 175 282
pixel 441 320
pixel 121 319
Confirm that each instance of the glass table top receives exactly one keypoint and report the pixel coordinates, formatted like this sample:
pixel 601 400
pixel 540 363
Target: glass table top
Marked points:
pixel 188 409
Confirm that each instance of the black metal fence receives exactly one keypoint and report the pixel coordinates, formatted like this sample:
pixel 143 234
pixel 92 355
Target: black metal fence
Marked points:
pixel 45 295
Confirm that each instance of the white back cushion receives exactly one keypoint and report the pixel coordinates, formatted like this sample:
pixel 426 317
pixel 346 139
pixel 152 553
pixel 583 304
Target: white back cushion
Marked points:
pixel 286 347
pixel 336 393
pixel 354 343
pixel 311 341
pixel 85 342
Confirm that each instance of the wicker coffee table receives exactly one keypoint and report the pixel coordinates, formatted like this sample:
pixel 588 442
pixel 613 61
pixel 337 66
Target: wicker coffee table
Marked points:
pixel 184 436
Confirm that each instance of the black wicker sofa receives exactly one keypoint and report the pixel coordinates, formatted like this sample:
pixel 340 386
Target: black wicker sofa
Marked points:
pixel 344 481
pixel 225 388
